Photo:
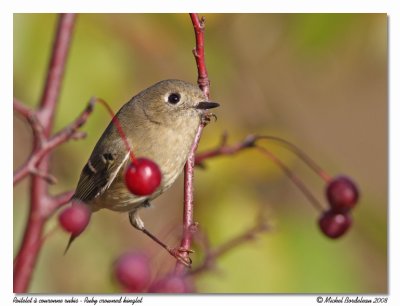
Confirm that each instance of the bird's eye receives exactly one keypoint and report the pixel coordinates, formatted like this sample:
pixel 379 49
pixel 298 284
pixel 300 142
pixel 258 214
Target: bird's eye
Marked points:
pixel 174 98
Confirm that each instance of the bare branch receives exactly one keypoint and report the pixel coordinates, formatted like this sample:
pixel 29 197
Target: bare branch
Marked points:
pixel 204 84
pixel 55 202
pixel 55 72
pixel 224 149
pixel 71 131
pixel 31 243
pixel 49 178
pixel 300 153
pixel 46 146
pixel 198 52
pixel 251 141
pixel 294 178
pixel 22 109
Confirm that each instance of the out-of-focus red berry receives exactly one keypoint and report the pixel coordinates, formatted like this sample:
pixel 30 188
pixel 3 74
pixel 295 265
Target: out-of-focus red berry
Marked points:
pixel 132 270
pixel 342 194
pixel 142 177
pixel 333 224
pixel 171 284
pixel 75 218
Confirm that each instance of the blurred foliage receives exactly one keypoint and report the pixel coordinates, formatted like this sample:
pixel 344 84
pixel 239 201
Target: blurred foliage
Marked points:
pixel 319 80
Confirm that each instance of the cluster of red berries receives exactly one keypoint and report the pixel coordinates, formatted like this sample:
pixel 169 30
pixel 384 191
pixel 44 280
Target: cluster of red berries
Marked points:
pixel 342 195
pixel 341 192
pixel 132 271
pixel 142 177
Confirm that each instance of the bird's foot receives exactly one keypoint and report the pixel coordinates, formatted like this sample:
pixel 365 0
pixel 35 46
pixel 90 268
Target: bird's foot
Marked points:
pixel 182 255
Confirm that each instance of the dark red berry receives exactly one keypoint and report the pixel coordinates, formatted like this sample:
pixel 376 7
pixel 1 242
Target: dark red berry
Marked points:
pixel 342 194
pixel 75 218
pixel 132 270
pixel 334 224
pixel 142 177
pixel 171 284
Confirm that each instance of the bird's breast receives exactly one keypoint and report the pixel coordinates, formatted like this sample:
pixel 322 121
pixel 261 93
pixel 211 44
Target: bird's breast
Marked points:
pixel 168 148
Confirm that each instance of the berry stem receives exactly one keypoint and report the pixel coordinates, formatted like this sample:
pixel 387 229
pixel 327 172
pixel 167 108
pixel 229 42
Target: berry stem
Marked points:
pixel 119 129
pixel 294 178
pixel 301 154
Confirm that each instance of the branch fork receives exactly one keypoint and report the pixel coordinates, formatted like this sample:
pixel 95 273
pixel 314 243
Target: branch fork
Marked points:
pixel 44 145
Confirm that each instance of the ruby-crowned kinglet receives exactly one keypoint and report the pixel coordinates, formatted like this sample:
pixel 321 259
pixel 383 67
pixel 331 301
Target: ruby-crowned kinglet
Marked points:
pixel 160 124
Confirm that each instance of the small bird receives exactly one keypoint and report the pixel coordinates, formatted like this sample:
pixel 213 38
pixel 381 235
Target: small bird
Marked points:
pixel 160 124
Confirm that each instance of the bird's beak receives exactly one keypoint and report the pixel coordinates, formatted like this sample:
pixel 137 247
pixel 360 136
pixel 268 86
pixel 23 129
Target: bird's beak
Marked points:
pixel 206 105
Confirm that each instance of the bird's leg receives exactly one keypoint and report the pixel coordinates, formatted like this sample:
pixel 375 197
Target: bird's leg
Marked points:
pixel 137 223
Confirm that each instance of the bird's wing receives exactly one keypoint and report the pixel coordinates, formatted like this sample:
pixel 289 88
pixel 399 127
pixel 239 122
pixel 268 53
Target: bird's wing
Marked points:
pixel 98 174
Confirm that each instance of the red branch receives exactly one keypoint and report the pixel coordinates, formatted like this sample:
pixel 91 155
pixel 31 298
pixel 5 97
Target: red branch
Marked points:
pixel 22 109
pixel 251 141
pixel 42 122
pixel 57 201
pixel 204 84
pixel 202 79
pixel 45 146
pixel 294 178
pixel 224 149
pixel 56 70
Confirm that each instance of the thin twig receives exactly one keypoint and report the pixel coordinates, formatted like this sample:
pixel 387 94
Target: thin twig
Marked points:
pixel 48 177
pixel 251 141
pixel 300 153
pixel 204 84
pixel 44 147
pixel 22 109
pixel 294 178
pixel 55 202
pixel 224 149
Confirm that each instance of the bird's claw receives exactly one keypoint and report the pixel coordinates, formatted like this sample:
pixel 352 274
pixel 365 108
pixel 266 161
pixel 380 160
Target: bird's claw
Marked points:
pixel 206 118
pixel 179 254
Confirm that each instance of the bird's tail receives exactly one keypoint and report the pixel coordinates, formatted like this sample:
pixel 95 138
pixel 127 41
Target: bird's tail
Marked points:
pixel 71 239
pixel 73 236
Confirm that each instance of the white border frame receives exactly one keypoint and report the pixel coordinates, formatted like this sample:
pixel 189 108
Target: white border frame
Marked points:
pixel 205 6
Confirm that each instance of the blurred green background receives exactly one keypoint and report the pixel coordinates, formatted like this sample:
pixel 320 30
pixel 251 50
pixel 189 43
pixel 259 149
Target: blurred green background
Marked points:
pixel 318 80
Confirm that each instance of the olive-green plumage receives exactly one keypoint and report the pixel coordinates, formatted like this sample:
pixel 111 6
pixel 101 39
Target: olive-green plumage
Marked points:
pixel 160 124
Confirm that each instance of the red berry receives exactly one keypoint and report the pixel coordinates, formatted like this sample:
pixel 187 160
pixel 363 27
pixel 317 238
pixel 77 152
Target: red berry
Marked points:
pixel 334 224
pixel 75 218
pixel 171 284
pixel 342 194
pixel 142 177
pixel 132 270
